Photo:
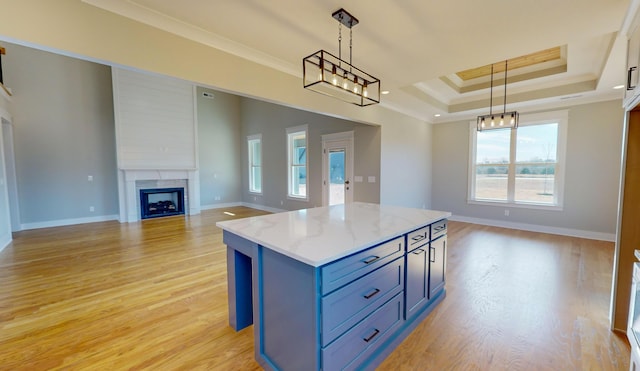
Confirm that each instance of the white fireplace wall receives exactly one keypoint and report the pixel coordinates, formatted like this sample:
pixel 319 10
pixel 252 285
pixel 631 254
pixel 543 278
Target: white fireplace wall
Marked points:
pixel 156 136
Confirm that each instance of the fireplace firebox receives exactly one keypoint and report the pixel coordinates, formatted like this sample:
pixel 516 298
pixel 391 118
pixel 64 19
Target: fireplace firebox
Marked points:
pixel 158 202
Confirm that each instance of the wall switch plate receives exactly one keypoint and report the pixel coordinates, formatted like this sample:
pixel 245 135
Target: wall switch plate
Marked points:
pixel 91 209
pixel 371 179
pixel 90 178
pixel 358 178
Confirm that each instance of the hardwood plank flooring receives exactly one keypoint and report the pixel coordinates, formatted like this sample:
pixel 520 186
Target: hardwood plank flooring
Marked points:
pixel 152 295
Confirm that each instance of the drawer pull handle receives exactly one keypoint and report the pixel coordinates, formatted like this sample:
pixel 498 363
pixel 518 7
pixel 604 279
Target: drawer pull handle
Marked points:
pixel 419 237
pixel 439 228
pixel 372 294
pixel 371 259
pixel 370 337
pixel 432 258
pixel 629 87
pixel 418 251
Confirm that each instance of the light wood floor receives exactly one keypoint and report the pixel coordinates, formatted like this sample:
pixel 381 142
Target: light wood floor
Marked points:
pixel 152 295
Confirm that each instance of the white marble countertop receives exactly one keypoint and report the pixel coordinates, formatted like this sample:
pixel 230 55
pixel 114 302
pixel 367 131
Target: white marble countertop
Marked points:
pixel 321 235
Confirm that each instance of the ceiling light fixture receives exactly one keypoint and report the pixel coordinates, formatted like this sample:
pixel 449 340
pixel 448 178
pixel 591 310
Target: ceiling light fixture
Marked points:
pixel 506 119
pixel 327 74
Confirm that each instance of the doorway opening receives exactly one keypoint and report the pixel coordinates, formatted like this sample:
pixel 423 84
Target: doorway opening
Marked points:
pixel 337 168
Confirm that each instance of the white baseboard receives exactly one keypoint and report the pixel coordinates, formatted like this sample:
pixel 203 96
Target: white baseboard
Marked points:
pixel 263 208
pixel 63 222
pixel 611 237
pixel 220 206
pixel 245 204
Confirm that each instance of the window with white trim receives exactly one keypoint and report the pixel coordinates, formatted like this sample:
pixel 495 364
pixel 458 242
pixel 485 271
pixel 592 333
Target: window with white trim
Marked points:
pixel 297 162
pixel 254 145
pixel 522 167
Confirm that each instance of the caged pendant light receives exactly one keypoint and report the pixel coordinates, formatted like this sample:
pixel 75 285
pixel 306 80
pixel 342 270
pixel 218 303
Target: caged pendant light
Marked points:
pixel 327 74
pixel 506 119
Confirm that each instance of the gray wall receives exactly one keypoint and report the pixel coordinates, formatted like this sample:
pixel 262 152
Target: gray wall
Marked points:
pixel 406 165
pixel 64 131
pixel 594 141
pixel 271 121
pixel 219 145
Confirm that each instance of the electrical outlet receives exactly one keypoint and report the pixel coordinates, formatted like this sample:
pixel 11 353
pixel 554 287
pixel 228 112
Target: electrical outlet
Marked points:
pixel 90 178
pixel 506 213
pixel 92 209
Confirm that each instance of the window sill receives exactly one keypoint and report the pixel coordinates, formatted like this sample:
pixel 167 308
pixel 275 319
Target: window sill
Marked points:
pixel 521 205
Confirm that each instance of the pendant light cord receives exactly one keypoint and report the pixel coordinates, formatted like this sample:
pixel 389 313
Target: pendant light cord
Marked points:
pixel 340 40
pixel 491 93
pixel 504 107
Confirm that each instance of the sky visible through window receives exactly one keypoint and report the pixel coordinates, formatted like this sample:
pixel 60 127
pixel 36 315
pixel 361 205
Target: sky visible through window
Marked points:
pixel 535 143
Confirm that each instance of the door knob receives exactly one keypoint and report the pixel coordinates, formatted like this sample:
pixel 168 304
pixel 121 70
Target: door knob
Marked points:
pixel 346 182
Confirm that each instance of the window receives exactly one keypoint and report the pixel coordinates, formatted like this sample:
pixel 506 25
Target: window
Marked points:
pixel 522 167
pixel 297 162
pixel 254 144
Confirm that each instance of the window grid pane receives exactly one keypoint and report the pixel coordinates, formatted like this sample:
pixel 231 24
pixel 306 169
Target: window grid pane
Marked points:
pixel 255 171
pixel 491 182
pixel 535 183
pixel 297 143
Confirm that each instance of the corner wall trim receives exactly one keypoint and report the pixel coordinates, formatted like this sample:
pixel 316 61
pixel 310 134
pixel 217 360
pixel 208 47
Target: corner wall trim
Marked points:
pixel 5 241
pixel 610 237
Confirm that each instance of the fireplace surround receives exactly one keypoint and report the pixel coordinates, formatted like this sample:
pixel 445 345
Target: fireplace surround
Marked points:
pixel 157 202
pixel 131 181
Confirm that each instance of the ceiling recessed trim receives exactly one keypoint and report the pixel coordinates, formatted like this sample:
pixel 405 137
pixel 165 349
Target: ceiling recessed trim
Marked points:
pixel 512 79
pixel 532 59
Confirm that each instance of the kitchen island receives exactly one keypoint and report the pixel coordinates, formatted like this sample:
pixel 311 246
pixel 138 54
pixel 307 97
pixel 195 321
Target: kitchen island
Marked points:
pixel 334 287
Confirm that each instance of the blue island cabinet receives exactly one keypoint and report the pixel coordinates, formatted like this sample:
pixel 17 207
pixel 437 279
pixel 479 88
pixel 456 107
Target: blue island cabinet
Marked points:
pixel 345 314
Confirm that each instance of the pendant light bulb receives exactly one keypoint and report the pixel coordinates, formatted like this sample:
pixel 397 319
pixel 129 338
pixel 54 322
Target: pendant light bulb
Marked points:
pixel 321 72
pixel 482 123
pixel 501 120
pixel 345 79
pixel 364 89
pixel 513 119
pixel 493 123
pixel 333 75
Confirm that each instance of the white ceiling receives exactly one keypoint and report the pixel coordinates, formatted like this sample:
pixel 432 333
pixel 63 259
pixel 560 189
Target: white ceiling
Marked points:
pixel 410 44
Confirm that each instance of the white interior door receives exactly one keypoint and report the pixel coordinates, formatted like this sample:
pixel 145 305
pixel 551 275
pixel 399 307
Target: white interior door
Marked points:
pixel 337 168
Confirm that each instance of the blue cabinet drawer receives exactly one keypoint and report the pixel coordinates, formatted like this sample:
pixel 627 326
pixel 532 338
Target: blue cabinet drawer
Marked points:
pixel 438 229
pixel 344 308
pixel 355 346
pixel 418 237
pixel 352 267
